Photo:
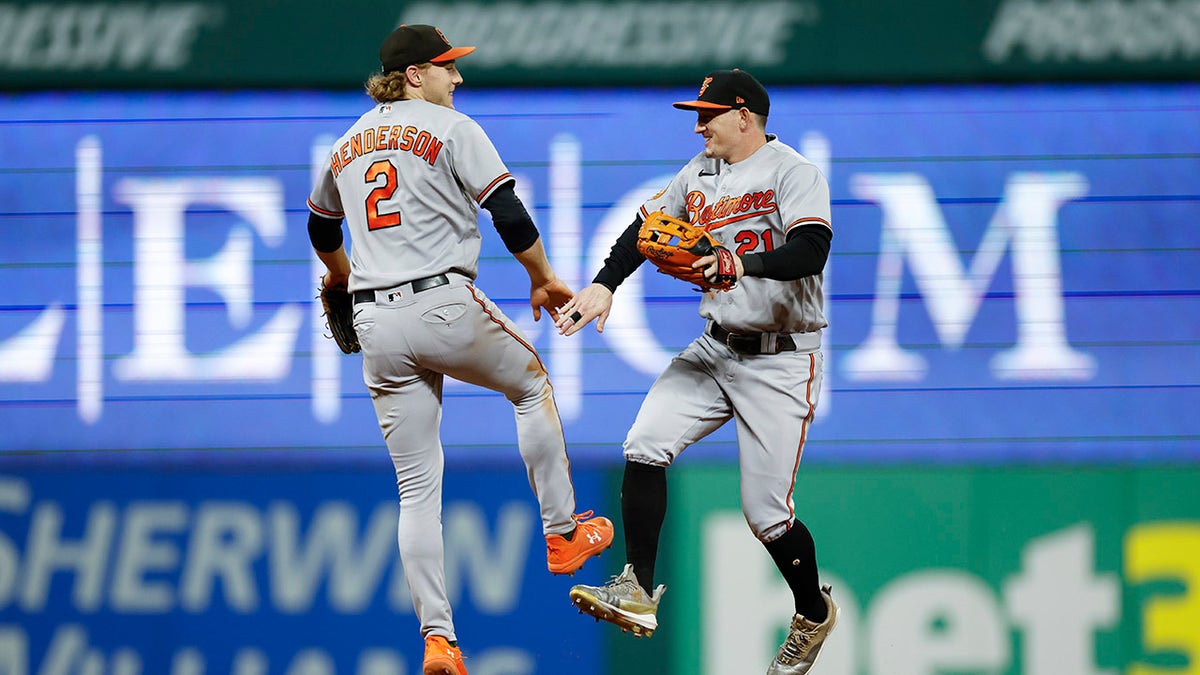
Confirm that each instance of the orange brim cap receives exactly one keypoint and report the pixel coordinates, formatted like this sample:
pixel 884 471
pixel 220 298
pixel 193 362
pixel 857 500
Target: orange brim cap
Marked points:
pixel 700 105
pixel 452 54
pixel 729 89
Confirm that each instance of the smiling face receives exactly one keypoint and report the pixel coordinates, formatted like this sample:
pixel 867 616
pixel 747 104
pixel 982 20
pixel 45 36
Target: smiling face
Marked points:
pixel 720 129
pixel 731 135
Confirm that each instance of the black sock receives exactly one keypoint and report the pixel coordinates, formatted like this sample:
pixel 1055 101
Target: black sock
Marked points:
pixel 643 508
pixel 795 555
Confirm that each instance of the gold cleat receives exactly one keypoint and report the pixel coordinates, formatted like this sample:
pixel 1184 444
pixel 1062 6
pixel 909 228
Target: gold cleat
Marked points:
pixel 622 602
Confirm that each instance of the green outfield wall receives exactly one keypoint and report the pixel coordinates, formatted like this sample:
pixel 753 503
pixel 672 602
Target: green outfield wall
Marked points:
pixel 941 570
pixel 309 43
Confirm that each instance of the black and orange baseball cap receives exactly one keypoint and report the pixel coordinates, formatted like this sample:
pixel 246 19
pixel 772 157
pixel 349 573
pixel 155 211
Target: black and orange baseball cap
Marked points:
pixel 417 43
pixel 729 89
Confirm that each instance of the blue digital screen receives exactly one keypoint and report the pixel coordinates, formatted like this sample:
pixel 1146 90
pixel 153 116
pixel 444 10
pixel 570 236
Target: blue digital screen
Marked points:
pixel 1012 276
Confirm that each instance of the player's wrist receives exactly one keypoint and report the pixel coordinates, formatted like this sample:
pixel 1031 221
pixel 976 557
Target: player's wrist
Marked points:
pixel 752 265
pixel 609 279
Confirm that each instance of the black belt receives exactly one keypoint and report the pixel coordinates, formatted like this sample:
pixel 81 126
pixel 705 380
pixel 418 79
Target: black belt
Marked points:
pixel 417 286
pixel 750 343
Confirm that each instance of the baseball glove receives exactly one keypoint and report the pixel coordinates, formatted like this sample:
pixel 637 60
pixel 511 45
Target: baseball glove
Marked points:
pixel 673 245
pixel 339 316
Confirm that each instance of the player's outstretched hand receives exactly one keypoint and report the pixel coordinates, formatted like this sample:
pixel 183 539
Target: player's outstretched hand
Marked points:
pixel 549 295
pixel 593 302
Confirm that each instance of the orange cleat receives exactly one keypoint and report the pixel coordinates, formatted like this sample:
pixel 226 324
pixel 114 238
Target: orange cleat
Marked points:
pixel 592 536
pixel 441 658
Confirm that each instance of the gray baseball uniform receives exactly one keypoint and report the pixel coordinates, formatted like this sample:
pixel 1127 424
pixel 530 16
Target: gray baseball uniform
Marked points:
pixel 749 207
pixel 758 361
pixel 409 177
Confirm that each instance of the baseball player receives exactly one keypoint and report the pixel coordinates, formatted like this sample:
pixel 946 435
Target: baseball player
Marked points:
pixel 409 177
pixel 758 361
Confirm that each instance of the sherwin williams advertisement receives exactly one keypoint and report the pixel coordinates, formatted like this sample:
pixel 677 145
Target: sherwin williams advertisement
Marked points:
pixel 255 571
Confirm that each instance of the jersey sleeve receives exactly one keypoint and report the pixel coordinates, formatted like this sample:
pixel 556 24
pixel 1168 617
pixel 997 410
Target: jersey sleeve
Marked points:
pixel 325 200
pixel 476 161
pixel 670 200
pixel 803 197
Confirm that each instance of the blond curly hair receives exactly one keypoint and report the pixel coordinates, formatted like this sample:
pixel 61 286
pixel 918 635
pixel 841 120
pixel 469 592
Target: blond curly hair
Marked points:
pixel 387 87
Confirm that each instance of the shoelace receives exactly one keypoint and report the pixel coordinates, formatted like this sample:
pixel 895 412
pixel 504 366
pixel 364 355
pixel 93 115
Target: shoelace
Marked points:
pixel 628 583
pixel 796 641
pixel 578 518
pixel 620 581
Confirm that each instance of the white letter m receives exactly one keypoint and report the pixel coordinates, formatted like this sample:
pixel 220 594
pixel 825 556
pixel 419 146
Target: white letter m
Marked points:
pixel 914 231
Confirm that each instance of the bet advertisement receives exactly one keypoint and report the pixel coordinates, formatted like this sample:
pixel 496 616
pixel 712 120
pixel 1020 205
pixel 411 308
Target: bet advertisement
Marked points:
pixel 944 570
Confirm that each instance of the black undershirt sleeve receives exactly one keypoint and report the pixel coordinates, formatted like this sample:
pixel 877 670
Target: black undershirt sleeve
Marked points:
pixel 324 233
pixel 511 220
pixel 803 255
pixel 623 259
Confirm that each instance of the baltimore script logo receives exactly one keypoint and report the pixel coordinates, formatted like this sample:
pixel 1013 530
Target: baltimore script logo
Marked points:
pixel 727 210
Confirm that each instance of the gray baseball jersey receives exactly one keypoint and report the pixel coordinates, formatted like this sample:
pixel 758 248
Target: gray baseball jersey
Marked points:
pixel 410 175
pixel 749 207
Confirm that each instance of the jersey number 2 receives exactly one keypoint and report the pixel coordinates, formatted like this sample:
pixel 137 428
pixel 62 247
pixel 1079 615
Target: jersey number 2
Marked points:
pixel 384 190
